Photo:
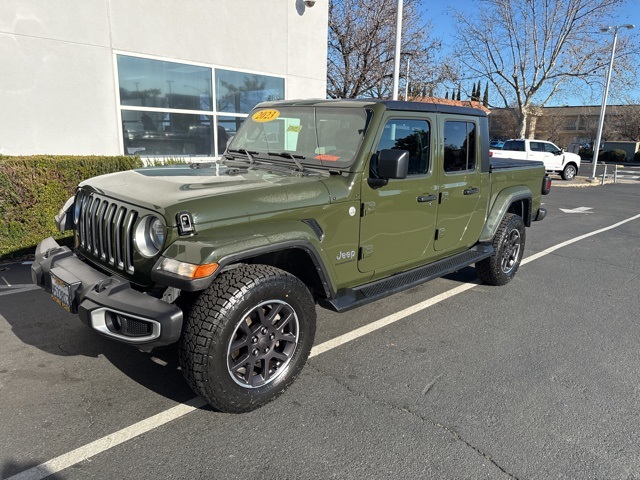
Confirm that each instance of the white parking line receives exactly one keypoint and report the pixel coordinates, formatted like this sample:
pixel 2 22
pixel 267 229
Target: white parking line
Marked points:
pixel 11 289
pixel 105 443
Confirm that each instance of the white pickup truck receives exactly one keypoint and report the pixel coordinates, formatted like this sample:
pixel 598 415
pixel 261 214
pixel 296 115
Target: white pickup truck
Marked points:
pixel 555 159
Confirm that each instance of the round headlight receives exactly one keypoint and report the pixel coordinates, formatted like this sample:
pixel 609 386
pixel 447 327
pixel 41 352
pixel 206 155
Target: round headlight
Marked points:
pixel 149 236
pixel 156 233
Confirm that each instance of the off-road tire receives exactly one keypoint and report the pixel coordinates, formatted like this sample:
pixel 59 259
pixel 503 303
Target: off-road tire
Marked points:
pixel 508 245
pixel 236 320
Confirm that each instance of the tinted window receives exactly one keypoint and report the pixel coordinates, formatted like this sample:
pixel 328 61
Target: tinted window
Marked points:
pixel 152 92
pixel 166 133
pixel 550 147
pixel 238 92
pixel 459 146
pixel 154 83
pixel 413 136
pixel 514 145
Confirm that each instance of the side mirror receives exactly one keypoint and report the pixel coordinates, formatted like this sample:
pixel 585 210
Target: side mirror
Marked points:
pixel 393 164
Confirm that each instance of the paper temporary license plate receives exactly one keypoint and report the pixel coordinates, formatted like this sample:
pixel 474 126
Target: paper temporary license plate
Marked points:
pixel 61 292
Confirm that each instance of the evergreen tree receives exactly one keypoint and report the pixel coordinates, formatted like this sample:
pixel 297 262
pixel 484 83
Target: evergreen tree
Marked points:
pixel 458 97
pixel 446 95
pixel 485 98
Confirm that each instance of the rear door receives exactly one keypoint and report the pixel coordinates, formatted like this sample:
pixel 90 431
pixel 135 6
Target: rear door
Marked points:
pixel 536 151
pixel 461 189
pixel 398 219
pixel 514 149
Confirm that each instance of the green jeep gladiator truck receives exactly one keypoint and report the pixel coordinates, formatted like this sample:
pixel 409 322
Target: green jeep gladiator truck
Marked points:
pixel 329 202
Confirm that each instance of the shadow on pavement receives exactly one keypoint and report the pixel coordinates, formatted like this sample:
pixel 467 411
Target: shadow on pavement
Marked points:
pixel 37 321
pixel 13 468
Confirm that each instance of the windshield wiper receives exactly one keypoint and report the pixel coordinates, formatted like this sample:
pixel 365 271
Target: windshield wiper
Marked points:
pixel 292 157
pixel 245 152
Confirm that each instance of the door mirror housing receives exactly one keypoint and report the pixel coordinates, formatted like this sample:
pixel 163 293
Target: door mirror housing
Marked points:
pixel 393 164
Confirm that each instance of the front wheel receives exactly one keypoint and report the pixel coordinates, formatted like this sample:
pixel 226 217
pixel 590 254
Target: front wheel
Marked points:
pixel 508 245
pixel 247 337
pixel 569 172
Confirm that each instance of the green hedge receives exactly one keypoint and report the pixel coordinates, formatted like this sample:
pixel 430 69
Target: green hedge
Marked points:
pixel 615 156
pixel 32 190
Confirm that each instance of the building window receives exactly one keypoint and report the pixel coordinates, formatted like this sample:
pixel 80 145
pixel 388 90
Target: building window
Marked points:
pixel 154 83
pixel 166 133
pixel 238 92
pixel 167 108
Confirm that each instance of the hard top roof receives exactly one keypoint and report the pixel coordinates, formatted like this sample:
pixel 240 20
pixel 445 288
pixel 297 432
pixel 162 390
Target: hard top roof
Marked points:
pixel 396 105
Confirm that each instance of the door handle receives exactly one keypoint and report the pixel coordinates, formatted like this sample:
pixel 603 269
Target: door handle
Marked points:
pixel 471 191
pixel 427 198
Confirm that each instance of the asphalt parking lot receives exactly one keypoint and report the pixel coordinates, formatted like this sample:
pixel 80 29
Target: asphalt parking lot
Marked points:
pixel 452 379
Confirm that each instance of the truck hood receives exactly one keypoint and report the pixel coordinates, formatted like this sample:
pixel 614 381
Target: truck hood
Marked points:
pixel 211 192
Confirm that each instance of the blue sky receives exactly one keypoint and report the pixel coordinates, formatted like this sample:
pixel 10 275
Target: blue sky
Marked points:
pixel 443 27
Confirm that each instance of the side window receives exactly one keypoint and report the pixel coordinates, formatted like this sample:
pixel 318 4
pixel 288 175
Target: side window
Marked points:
pixel 536 147
pixel 459 146
pixel 514 146
pixel 550 147
pixel 411 135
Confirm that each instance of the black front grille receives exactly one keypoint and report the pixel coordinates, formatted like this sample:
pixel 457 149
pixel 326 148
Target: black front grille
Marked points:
pixel 105 230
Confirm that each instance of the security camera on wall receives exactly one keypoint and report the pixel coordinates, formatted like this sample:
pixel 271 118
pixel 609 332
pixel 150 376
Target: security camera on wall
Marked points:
pixel 309 3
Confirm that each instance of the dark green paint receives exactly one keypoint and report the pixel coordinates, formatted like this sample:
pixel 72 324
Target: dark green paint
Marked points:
pixel 369 233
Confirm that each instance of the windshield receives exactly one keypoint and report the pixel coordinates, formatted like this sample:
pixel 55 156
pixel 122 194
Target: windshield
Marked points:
pixel 320 136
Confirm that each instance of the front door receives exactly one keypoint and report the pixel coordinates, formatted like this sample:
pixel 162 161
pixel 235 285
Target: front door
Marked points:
pixel 553 157
pixel 398 219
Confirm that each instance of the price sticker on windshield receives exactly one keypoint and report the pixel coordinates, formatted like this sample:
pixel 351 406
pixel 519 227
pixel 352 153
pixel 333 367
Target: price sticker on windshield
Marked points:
pixel 265 115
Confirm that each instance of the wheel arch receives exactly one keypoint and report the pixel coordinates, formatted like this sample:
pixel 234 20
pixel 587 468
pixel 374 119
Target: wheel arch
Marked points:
pixel 297 258
pixel 517 200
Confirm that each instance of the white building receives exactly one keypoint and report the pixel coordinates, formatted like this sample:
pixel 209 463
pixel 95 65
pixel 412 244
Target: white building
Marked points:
pixel 154 77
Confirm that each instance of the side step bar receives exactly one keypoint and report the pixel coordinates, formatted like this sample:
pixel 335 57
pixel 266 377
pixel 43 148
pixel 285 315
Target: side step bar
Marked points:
pixel 346 299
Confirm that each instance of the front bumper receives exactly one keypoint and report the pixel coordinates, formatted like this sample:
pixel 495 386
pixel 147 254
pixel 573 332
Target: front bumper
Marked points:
pixel 107 304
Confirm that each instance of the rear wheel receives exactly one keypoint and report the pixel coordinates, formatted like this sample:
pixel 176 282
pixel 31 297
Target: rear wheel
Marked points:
pixel 508 245
pixel 247 337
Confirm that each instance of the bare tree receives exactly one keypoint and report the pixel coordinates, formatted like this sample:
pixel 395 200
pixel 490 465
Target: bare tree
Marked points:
pixel 502 124
pixel 361 49
pixel 626 121
pixel 534 50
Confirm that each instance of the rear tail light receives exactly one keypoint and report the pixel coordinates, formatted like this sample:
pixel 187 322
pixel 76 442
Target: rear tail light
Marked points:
pixel 546 185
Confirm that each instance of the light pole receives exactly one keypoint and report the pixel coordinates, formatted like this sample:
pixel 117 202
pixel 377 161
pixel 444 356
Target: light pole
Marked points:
pixel 396 65
pixel 406 85
pixel 596 146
